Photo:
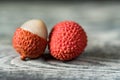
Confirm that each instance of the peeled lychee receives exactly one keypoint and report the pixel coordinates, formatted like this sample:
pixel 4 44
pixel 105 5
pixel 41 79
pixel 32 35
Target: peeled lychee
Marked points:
pixel 30 39
pixel 67 40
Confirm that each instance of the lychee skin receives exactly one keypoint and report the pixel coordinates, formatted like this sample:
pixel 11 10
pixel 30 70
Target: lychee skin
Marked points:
pixel 29 45
pixel 67 40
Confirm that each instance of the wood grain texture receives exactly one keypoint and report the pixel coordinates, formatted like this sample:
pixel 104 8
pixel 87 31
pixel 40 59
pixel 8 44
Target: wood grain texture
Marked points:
pixel 84 67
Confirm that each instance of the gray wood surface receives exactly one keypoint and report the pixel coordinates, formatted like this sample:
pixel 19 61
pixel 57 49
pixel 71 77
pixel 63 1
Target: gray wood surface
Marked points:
pixel 100 61
pixel 94 64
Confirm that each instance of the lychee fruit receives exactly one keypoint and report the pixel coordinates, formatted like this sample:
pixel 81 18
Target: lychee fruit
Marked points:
pixel 30 39
pixel 67 40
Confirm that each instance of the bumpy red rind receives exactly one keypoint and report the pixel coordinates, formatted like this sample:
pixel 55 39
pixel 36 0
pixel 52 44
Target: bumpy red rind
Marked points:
pixel 29 45
pixel 67 40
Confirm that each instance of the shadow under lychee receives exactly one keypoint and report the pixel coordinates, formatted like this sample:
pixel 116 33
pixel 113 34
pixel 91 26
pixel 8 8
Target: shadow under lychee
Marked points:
pixel 47 57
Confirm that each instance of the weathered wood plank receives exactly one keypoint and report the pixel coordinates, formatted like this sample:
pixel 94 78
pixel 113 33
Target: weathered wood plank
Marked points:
pixel 84 67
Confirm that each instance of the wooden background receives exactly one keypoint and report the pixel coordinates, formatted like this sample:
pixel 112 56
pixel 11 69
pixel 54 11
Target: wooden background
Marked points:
pixel 101 59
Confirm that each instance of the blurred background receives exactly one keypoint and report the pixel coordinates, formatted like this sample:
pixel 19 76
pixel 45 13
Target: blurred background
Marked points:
pixel 99 18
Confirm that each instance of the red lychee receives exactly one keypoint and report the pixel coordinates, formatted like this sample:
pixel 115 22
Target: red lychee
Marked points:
pixel 67 40
pixel 30 39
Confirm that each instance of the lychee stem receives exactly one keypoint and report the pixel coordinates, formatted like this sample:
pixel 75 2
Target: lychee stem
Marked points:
pixel 23 58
